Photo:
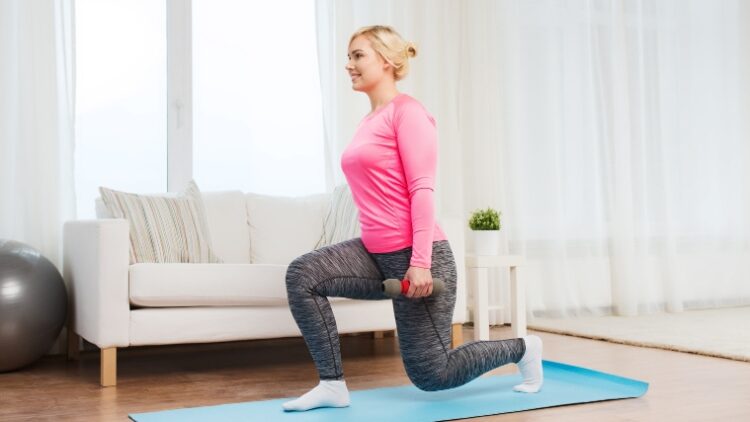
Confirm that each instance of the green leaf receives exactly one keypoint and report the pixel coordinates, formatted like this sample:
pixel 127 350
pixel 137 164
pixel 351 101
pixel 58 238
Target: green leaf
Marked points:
pixel 488 219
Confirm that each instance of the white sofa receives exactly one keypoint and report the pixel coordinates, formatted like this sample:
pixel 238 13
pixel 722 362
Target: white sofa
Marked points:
pixel 116 305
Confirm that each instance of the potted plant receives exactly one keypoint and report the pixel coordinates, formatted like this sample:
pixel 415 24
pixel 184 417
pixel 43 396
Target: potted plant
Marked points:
pixel 485 225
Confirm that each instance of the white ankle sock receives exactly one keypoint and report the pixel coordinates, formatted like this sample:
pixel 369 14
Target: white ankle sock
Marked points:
pixel 531 366
pixel 331 393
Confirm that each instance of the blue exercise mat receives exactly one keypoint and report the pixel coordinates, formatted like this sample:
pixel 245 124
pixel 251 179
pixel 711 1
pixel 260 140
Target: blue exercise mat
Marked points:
pixel 489 395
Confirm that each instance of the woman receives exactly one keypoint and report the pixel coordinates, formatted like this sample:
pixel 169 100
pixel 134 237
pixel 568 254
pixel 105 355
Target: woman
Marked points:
pixel 390 167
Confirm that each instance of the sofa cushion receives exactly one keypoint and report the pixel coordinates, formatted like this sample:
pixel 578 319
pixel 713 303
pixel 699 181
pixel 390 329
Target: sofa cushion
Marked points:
pixel 164 229
pixel 171 285
pixel 283 228
pixel 227 223
pixel 342 218
pixel 101 209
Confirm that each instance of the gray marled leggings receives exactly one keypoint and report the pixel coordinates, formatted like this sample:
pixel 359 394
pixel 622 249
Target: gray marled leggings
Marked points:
pixel 347 269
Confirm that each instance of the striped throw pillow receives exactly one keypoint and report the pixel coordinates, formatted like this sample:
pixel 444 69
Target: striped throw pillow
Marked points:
pixel 342 220
pixel 163 228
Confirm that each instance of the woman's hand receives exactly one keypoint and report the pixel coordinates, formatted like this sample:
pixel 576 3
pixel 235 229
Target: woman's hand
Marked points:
pixel 420 282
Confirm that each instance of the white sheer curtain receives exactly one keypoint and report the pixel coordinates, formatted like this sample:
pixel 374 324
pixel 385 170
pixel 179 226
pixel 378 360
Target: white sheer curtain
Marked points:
pixel 36 122
pixel 611 134
pixel 624 161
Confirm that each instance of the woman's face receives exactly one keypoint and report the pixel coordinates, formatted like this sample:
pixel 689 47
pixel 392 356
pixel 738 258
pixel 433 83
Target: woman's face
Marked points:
pixel 366 67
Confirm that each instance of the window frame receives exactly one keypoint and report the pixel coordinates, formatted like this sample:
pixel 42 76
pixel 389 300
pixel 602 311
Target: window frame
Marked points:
pixel 179 94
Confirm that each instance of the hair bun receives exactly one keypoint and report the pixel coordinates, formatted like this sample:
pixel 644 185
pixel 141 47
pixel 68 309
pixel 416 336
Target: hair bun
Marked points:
pixel 411 49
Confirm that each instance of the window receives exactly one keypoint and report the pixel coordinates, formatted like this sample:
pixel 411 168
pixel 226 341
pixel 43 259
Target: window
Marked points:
pixel 257 117
pixel 256 106
pixel 120 98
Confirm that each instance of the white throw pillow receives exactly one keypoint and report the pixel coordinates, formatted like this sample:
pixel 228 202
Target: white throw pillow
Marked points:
pixel 283 228
pixel 163 228
pixel 342 219
pixel 226 214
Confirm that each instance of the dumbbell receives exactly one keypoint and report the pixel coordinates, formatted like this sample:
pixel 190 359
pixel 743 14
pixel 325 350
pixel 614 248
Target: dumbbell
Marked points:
pixel 394 287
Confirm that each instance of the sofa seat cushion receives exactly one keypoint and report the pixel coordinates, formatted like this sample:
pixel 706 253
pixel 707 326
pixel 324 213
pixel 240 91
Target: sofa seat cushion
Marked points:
pixel 171 285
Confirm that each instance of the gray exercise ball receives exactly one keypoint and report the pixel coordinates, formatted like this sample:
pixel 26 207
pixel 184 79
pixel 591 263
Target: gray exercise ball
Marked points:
pixel 33 305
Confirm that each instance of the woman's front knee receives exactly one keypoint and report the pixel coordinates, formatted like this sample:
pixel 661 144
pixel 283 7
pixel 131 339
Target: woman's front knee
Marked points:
pixel 298 274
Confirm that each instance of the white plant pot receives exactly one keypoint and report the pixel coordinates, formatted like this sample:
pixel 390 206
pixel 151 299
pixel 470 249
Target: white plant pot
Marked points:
pixel 486 242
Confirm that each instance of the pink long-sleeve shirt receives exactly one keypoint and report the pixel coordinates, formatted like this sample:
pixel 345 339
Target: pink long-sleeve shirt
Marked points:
pixel 390 166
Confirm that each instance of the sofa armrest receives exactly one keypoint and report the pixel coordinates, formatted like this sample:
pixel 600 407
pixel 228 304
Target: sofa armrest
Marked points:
pixel 96 264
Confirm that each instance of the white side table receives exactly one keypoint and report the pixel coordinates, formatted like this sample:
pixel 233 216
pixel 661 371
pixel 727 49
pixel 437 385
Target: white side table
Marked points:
pixel 481 264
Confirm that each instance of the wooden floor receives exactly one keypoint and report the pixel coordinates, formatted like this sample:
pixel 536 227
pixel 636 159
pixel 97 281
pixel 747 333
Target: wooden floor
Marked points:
pixel 684 387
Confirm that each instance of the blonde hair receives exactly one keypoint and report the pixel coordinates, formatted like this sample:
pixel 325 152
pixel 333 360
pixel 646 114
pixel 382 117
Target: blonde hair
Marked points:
pixel 389 44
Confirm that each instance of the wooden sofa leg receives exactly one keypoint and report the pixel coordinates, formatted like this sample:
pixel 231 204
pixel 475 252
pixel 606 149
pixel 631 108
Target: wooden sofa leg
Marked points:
pixel 383 334
pixel 108 369
pixel 457 336
pixel 73 344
